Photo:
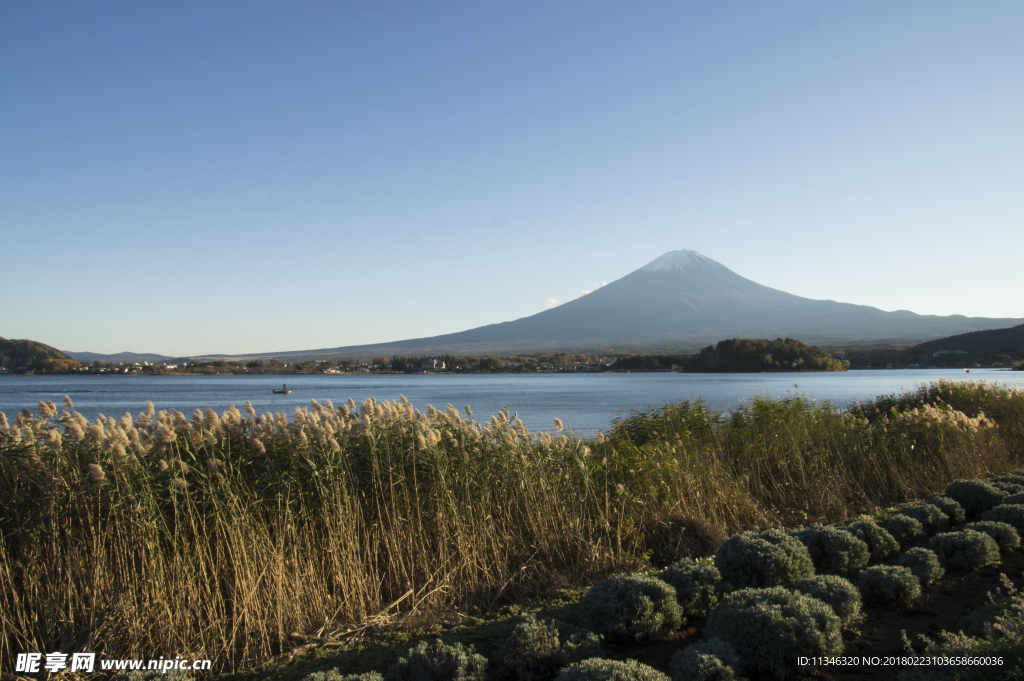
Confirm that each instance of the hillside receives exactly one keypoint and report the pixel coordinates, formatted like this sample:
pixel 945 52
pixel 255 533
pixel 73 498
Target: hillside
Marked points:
pixel 18 355
pixel 679 301
pixel 990 347
pixel 750 355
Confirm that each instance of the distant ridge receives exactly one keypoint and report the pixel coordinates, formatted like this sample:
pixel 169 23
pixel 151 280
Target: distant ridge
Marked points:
pixel 680 300
pixel 994 341
pixel 28 354
pixel 118 357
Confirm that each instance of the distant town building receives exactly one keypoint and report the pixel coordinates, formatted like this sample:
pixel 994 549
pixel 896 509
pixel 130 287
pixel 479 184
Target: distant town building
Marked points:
pixel 432 365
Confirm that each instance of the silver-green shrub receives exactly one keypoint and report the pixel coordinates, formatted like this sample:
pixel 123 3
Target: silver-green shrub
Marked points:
pixel 630 607
pixel 881 544
pixel 438 661
pixel 1014 499
pixel 1006 536
pixel 771 558
pixel 696 584
pixel 837 592
pixel 1011 514
pixel 770 628
pixel 537 649
pixel 1008 487
pixel 709 660
pixel 924 564
pixel 976 496
pixel 153 675
pixel 904 529
pixel 335 675
pixel 889 584
pixel 931 517
pixel 1016 478
pixel 964 550
pixel 833 551
pixel 598 669
pixel 953 510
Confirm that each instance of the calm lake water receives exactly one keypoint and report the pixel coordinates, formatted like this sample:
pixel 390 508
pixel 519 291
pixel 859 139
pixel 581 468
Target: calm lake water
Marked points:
pixel 585 402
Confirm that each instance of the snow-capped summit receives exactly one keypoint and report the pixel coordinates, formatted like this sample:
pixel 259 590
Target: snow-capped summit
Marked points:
pixel 679 261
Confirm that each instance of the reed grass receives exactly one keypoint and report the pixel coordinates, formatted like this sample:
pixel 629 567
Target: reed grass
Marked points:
pixel 234 537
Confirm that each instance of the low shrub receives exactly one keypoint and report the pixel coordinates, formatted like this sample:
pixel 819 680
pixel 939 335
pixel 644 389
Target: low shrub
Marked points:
pixel 1014 500
pixel 904 529
pixel 335 675
pixel 598 669
pixel 889 584
pixel 1009 487
pixel 1016 478
pixel 630 607
pixel 1006 535
pixel 437 661
pixel 1011 514
pixel 771 558
pixel 153 675
pixel 976 496
pixel 537 649
pixel 931 517
pixel 834 551
pixel 924 564
pixel 696 585
pixel 709 660
pixel 838 593
pixel 953 510
pixel 964 550
pixel 770 628
pixel 881 544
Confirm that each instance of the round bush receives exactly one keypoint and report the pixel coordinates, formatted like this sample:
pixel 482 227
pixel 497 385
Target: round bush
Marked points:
pixel 630 607
pixel 1015 478
pixel 834 551
pixel 924 564
pixel 437 661
pixel 770 628
pixel 709 660
pixel 904 529
pixel 838 593
pixel 964 550
pixel 976 496
pixel 889 584
pixel 537 649
pixel 1006 536
pixel 881 544
pixel 1011 514
pixel 953 510
pixel 696 585
pixel 598 669
pixel 335 675
pixel 931 517
pixel 1013 500
pixel 1008 487
pixel 771 558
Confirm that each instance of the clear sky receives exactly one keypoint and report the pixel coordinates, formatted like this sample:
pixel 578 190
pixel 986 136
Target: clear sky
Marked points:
pixel 230 177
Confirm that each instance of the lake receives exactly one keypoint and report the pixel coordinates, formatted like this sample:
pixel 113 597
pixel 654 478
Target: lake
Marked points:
pixel 585 402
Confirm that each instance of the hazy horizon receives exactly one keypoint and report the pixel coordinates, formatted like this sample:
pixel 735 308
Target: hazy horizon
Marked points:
pixel 235 178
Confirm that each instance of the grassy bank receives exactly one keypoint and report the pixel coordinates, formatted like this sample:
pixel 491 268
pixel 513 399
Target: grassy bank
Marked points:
pixel 233 536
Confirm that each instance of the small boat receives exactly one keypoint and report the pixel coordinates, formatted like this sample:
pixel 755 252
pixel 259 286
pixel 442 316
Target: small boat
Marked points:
pixel 283 391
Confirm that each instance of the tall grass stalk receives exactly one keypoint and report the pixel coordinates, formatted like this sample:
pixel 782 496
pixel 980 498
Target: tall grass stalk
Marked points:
pixel 233 537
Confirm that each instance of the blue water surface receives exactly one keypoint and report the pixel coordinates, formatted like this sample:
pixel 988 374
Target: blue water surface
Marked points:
pixel 585 402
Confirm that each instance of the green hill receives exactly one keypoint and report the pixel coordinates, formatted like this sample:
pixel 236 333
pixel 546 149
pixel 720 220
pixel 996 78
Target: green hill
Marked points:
pixel 757 354
pixel 27 355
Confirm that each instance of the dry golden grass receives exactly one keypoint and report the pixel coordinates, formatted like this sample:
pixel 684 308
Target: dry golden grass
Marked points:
pixel 232 537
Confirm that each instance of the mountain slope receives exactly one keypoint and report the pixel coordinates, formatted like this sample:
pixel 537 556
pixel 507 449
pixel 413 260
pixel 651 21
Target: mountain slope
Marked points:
pixel 28 354
pixel 682 300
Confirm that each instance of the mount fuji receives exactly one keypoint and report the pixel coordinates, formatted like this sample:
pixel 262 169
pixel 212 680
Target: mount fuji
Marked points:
pixel 680 300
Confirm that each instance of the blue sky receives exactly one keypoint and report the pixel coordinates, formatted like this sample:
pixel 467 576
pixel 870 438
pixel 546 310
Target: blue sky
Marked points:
pixel 189 178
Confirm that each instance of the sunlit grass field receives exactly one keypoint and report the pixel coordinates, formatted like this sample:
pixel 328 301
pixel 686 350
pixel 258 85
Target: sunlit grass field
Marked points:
pixel 232 536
